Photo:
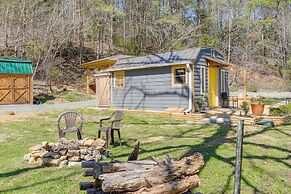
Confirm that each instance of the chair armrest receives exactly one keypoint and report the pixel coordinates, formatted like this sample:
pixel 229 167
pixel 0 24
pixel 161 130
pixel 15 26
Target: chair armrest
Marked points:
pixel 103 119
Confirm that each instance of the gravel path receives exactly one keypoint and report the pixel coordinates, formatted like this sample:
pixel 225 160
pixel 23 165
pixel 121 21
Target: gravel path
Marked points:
pixel 264 94
pixel 40 108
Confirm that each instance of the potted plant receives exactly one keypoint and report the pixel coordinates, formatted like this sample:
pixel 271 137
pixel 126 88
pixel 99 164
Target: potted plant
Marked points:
pixel 258 107
pixel 245 107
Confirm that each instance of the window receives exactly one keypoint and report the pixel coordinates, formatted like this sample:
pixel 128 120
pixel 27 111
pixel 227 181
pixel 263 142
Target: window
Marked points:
pixel 223 80
pixel 179 75
pixel 203 80
pixel 119 79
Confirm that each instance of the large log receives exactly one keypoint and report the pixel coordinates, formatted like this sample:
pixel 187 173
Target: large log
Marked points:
pixel 160 177
pixel 112 167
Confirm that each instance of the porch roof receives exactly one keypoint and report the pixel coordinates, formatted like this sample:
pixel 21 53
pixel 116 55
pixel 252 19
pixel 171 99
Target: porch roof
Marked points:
pixel 104 63
pixel 217 62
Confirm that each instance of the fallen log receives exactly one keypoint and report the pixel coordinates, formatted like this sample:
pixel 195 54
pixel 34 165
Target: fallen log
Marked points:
pixel 160 177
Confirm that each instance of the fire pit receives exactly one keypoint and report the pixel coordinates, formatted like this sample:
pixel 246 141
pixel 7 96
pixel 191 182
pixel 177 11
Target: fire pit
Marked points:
pixel 66 152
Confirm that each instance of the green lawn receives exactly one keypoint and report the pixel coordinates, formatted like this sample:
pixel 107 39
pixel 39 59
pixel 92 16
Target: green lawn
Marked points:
pixel 266 162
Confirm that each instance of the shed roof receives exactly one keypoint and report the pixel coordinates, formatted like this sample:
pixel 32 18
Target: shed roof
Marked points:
pixel 15 66
pixel 157 60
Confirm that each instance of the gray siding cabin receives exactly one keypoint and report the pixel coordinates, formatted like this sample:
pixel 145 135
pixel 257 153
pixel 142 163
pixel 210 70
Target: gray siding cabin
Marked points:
pixel 175 79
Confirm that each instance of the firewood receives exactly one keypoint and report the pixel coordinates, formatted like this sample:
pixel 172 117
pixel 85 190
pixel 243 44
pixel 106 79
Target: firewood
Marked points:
pixel 134 153
pixel 124 181
pixel 177 186
pixel 157 177
pixel 86 185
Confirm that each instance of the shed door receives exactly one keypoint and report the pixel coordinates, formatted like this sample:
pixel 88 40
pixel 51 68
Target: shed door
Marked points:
pixel 103 90
pixel 15 89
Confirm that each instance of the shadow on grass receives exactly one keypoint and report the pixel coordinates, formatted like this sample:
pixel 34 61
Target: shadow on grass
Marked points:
pixel 17 172
pixel 210 145
pixel 38 183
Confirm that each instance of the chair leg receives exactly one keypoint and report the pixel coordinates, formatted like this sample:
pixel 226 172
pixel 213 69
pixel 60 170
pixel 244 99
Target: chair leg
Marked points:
pixel 79 134
pixel 107 139
pixel 119 136
pixel 112 136
pixel 99 134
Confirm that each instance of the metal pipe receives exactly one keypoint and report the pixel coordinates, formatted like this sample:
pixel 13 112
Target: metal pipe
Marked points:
pixel 190 102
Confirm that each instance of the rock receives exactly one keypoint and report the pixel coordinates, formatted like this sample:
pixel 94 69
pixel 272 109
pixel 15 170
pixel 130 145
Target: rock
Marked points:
pixel 74 164
pixel 88 142
pixel 55 155
pixel 63 163
pixel 37 154
pixel 95 153
pixel 84 151
pixel 63 141
pixel 74 159
pixel 82 156
pixel 88 157
pixel 63 152
pixel 71 153
pixel 213 119
pixel 35 162
pixel 36 147
pixel 45 144
pixel 222 120
pixel 45 154
pixel 99 143
pixel 53 162
pixel 100 149
pixel 26 157
pixel 98 158
pixel 206 120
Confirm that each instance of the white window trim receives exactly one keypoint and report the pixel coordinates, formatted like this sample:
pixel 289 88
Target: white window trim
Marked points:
pixel 201 77
pixel 223 76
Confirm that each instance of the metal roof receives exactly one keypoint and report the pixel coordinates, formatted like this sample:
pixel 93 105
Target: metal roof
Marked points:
pixel 157 60
pixel 15 66
pixel 104 62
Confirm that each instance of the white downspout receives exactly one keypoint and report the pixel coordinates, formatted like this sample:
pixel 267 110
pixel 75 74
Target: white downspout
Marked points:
pixel 190 102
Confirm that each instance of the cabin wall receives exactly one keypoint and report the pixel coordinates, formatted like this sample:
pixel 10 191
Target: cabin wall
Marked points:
pixel 150 89
pixel 201 62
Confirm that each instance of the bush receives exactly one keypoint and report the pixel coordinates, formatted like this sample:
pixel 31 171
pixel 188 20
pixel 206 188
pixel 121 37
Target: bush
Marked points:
pixel 281 110
pixel 252 88
pixel 276 112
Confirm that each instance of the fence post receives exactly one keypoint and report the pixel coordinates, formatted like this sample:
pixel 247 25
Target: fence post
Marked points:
pixel 239 150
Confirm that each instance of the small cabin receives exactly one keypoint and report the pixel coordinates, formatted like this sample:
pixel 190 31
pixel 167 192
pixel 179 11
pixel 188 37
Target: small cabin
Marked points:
pixel 175 79
pixel 16 81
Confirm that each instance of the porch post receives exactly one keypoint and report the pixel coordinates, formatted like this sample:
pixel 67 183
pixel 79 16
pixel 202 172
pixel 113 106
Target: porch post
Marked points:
pixel 87 82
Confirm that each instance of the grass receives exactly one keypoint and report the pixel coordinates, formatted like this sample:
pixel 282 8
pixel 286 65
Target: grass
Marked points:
pixel 266 158
pixel 271 101
pixel 66 96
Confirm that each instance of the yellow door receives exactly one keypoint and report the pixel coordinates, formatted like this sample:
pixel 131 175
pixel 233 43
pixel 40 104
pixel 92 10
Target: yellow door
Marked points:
pixel 212 90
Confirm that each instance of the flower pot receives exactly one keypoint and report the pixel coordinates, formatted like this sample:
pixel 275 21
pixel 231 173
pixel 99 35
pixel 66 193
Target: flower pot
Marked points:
pixel 258 109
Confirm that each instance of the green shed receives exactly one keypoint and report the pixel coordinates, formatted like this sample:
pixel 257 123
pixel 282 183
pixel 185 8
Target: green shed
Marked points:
pixel 16 81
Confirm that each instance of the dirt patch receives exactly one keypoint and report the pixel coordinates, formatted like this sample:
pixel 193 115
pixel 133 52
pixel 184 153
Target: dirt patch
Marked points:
pixel 17 117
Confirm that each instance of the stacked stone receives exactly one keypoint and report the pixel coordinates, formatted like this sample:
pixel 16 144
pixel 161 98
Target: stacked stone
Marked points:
pixel 66 152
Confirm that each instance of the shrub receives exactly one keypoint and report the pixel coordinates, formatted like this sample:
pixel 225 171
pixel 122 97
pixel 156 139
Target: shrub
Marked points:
pixel 281 110
pixel 252 88
pixel 276 112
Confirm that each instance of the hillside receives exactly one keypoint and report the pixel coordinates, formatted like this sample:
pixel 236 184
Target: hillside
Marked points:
pixel 58 35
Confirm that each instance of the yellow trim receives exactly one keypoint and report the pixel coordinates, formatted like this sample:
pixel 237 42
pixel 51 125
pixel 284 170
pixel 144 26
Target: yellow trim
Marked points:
pixel 120 74
pixel 100 64
pixel 173 68
pixel 213 89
